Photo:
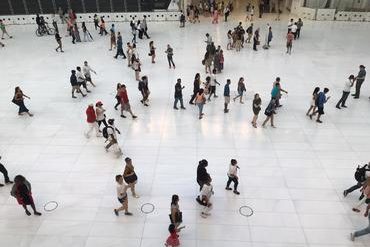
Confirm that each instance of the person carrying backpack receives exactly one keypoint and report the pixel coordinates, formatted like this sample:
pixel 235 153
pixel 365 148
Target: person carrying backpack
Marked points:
pixel 360 176
pixel 109 133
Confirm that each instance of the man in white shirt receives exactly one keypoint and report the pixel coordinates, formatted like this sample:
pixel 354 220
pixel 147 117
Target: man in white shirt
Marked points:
pixel 233 177
pixel 294 29
pixel 205 198
pixel 213 84
pixel 109 133
pixel 346 90
pixel 290 24
pixel 209 39
pixel 122 196
pixel 86 69
pixel 81 80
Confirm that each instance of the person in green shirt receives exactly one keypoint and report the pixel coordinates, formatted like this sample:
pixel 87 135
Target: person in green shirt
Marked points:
pixel 3 30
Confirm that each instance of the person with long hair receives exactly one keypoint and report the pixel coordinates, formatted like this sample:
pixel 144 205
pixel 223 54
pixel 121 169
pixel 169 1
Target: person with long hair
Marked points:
pixel 313 101
pixel 196 87
pixel 18 99
pixel 21 190
pixel 269 112
pixel 130 176
pixel 241 89
pixel 152 50
pixel 176 214
pixel 200 100
pixel 256 106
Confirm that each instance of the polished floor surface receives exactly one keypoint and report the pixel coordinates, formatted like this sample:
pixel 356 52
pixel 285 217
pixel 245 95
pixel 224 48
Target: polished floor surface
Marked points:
pixel 292 176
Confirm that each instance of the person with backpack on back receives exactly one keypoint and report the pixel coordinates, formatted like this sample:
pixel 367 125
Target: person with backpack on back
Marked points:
pixel 360 176
pixel 110 135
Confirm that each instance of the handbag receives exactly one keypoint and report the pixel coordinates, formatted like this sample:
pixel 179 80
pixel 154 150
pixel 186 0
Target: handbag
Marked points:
pixel 130 179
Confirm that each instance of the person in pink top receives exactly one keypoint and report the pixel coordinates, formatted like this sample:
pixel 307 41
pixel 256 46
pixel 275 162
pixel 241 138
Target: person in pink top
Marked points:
pixel 173 239
pixel 215 17
pixel 289 42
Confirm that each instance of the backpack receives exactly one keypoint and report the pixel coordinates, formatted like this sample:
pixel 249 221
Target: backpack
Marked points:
pixel 360 174
pixel 105 131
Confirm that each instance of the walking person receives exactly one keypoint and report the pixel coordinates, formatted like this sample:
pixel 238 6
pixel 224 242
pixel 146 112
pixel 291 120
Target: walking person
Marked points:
pixel 269 37
pixel 91 121
pixel 169 52
pixel 313 105
pixel 59 41
pixel 110 135
pixel 276 91
pixel 240 89
pixel 213 85
pixel 96 22
pixel 21 190
pixel 87 35
pixel 18 99
pixel 125 104
pixel 250 33
pixel 202 174
pixel 321 100
pixel 144 90
pixel 129 54
pixel 205 198
pixel 113 42
pixel 133 32
pixel 365 230
pixel 136 66
pixel 227 95
pixel 176 214
pixel 117 97
pixel 2 44
pixel 269 112
pixel 75 85
pixel 294 29
pixel 182 19
pixel 100 114
pixel 200 100
pixel 196 87
pixel 178 95
pixel 256 39
pixel 360 176
pixel 360 78
pixel 130 176
pixel 119 47
pixel 299 27
pixel 152 50
pixel 81 79
pixel 346 91
pixel 86 69
pixel 121 196
pixel 289 42
pixel 173 239
pixel 4 171
pixel 3 30
pixel 256 107
pixel 102 27
pixel 76 33
pixel 145 27
pixel 233 177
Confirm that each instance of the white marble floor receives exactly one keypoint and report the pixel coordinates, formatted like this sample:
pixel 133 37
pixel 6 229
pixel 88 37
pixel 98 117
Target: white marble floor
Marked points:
pixel 292 176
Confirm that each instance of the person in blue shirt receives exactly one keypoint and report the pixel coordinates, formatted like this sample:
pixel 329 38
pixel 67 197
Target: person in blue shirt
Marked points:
pixel 227 95
pixel 320 101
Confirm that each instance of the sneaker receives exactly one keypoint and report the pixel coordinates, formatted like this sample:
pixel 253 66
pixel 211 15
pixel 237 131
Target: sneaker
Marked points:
pixel 236 192
pixel 116 212
pixel 337 107
pixel 344 106
pixel 123 116
pixel 128 213
pixel 134 116
pixel 183 108
pixel 352 236
pixel 1 185
pixel 37 213
pixel 228 188
pixel 175 108
pixel 319 121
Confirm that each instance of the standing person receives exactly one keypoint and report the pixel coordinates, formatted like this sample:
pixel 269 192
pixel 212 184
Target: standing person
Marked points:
pixel 365 230
pixel 360 78
pixel 227 95
pixel 182 19
pixel 178 95
pixel 121 196
pixel 18 99
pixel 91 121
pixel 96 22
pixel 208 39
pixel 229 40
pixel 313 102
pixel 252 12
pixel 233 177
pixel 269 36
pixel 240 89
pixel 200 100
pixel 59 41
pixel 169 52
pixel 152 50
pixel 205 198
pixel 133 32
pixel 321 100
pixel 119 47
pixel 113 42
pixel 256 106
pixel 21 190
pixel 3 30
pixel 261 8
pixel 54 23
pixel 144 89
pixel 347 89
pixel 226 12
pixel 196 87
pixel 215 17
pixel 125 104
pixel 207 61
pixel 248 14
pixel 202 174
pixel 100 114
pixel 289 42
pixel 222 60
pixel 176 214
pixel 86 69
pixel 117 97
pixel 173 239
pixel 136 65
pixel 75 85
pixel 81 79
pixel 110 136
pixel 129 54
pixel 130 176
pixel 213 85
pixel 256 39
pixel 269 112
pixel 299 27
pixel 76 33
pixel 249 32
pixel 4 171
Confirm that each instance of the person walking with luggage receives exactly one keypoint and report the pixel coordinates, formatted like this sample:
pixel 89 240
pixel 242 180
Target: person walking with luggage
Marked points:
pixel 233 177
pixel 121 196
pixel 256 107
pixel 360 78
pixel 18 99
pixel 227 95
pixel 110 134
pixel 86 69
pixel 120 46
pixel 130 176
pixel 196 87
pixel 169 52
pixel 21 190
pixel 346 91
pixel 91 121
pixel 144 90
pixel 178 95
pixel 4 171
pixel 59 41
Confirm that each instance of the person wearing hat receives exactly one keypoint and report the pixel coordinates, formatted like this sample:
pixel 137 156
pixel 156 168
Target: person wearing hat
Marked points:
pixel 75 85
pixel 91 121
pixel 360 78
pixel 86 69
pixel 112 136
pixel 100 115
pixel 347 89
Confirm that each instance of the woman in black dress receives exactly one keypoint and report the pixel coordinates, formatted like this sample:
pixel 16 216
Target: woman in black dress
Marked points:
pixel 18 99
pixel 256 105
pixel 269 112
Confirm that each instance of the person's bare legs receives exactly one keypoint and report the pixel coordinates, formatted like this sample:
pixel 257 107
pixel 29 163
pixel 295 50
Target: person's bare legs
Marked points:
pixel 272 121
pixel 266 120
pixel 132 187
pixel 34 209
pixel 309 110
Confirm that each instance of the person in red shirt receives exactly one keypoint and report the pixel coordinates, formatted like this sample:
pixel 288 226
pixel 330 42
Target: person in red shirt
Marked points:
pixel 173 239
pixel 125 104
pixel 91 121
pixel 289 42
